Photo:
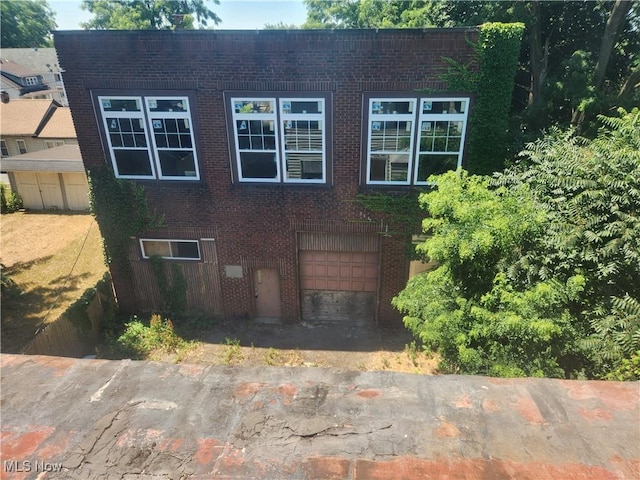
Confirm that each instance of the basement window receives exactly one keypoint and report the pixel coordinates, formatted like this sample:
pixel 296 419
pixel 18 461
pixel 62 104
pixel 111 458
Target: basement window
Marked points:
pixel 170 249
pixel 150 137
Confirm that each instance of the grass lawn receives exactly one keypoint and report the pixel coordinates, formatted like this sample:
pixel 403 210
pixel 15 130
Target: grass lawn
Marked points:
pixel 53 257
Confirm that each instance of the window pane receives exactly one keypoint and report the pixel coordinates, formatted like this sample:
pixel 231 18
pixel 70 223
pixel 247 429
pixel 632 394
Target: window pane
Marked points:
pixel 443 107
pixel 133 162
pixel 244 142
pixel 302 135
pixel 389 168
pixel 116 139
pixel 304 166
pixel 301 106
pixel 258 164
pixel 141 140
pixel 390 136
pixel 174 141
pixel 120 105
pixel 453 144
pixel 185 141
pixel 253 106
pixel 397 107
pixel 156 247
pixel 185 250
pixel 127 140
pixel 176 163
pixel 435 165
pixel 167 105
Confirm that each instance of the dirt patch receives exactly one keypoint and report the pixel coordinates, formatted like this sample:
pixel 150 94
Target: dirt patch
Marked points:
pixel 53 258
pixel 362 348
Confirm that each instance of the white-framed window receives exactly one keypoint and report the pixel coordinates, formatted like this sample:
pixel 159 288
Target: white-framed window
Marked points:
pixel 22 146
pixel 53 143
pixel 150 137
pixel 31 81
pixel 409 139
pixel 390 130
pixel 280 139
pixel 3 148
pixel 170 249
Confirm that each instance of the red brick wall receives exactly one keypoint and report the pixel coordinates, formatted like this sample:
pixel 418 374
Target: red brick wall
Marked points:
pixel 254 222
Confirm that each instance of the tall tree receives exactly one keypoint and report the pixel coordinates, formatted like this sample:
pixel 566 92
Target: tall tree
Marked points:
pixel 373 14
pixel 578 59
pixel 26 24
pixel 148 14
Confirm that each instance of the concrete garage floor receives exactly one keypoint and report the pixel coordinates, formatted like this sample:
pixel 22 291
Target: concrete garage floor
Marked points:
pixel 100 419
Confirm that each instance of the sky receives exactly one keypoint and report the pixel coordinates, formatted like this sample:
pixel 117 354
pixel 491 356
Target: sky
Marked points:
pixel 235 14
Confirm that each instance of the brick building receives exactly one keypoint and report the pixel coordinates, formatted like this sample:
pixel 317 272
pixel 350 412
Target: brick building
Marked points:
pixel 254 146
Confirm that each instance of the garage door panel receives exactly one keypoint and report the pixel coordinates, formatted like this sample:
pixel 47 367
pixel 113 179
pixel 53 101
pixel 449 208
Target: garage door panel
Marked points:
pixel 333 257
pixel 370 272
pixel 50 190
pixel 77 190
pixel 27 186
pixel 356 271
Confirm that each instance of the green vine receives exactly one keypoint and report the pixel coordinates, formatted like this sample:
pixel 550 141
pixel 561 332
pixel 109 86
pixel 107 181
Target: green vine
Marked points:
pixel 496 57
pixel 403 212
pixel 174 294
pixel 122 211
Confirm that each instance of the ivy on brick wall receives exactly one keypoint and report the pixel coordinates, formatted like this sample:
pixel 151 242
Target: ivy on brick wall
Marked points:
pixel 122 211
pixel 496 57
pixel 174 291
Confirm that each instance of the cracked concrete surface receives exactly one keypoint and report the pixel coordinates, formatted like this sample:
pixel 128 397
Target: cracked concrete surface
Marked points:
pixel 141 420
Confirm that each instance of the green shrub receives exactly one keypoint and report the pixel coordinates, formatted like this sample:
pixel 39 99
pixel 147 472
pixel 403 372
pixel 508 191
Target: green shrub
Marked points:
pixel 140 340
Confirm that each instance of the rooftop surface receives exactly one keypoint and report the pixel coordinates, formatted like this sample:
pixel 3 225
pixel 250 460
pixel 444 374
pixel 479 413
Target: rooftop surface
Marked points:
pixel 65 158
pixel 60 125
pixel 124 419
pixel 22 117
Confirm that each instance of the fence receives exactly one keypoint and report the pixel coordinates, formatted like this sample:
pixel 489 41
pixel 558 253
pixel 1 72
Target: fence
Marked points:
pixel 63 338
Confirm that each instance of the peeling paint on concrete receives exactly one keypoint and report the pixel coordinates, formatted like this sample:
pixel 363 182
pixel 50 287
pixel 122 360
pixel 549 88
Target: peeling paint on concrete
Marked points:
pixel 158 421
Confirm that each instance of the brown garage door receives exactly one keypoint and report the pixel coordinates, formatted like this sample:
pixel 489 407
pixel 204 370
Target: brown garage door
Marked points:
pixel 346 271
pixel 338 286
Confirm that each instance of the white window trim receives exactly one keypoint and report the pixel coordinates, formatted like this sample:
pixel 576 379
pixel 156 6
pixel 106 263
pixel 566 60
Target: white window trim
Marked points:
pixel 391 117
pixel 176 115
pixel 31 81
pixel 452 117
pixel 320 117
pixel 417 117
pixel 169 240
pixel 53 143
pixel 152 150
pixel 20 152
pixel 5 147
pixel 256 116
pixel 139 115
pixel 278 117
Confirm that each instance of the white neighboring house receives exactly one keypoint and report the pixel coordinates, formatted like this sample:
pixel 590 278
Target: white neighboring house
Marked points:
pixel 40 62
pixel 40 155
